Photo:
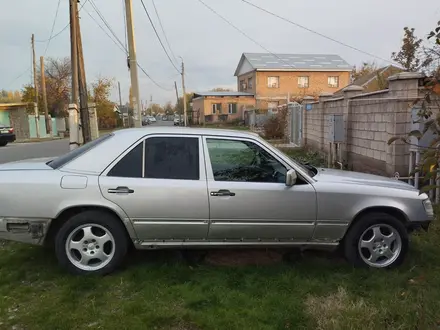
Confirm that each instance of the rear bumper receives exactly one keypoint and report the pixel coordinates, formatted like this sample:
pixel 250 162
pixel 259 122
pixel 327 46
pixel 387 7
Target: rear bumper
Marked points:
pixel 31 231
pixel 7 137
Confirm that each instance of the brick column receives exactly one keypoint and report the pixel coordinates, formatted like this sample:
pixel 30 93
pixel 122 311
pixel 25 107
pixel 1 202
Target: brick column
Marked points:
pixel 404 88
pixel 349 92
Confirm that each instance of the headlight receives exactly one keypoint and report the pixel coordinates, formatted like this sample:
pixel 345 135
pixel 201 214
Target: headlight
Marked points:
pixel 428 207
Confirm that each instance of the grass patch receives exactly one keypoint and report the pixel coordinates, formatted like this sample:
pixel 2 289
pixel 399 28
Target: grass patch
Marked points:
pixel 159 290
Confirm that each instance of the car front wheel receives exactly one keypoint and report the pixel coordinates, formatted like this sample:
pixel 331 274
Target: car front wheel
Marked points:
pixel 92 242
pixel 377 240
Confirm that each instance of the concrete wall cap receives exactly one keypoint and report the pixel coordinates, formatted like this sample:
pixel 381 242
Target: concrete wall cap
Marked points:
pixel 406 76
pixel 353 88
pixel 326 94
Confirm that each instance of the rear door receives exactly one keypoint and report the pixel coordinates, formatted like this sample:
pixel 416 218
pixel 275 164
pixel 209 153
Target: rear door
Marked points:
pixel 248 197
pixel 161 185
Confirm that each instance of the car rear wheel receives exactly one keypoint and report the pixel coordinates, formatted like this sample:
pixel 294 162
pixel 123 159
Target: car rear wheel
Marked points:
pixel 92 242
pixel 3 144
pixel 378 240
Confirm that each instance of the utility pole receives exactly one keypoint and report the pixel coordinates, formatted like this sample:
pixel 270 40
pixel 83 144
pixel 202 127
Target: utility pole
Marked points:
pixel 35 88
pixel 43 90
pixel 83 97
pixel 74 50
pixel 120 104
pixel 133 62
pixel 177 97
pixel 185 118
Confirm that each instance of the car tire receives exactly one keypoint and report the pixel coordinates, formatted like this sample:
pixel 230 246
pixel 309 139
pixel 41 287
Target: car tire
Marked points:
pixel 3 144
pixel 85 231
pixel 369 238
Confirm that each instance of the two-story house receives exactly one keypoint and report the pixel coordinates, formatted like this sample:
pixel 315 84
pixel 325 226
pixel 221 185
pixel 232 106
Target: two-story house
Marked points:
pixel 273 78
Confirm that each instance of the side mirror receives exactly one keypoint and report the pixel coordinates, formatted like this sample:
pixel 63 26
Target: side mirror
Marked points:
pixel 291 178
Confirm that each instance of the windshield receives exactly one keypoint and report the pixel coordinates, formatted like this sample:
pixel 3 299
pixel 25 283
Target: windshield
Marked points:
pixel 64 159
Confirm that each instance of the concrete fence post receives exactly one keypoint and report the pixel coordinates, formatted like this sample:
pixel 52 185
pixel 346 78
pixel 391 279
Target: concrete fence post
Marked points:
pixel 73 126
pixel 349 92
pixel 304 120
pixel 322 98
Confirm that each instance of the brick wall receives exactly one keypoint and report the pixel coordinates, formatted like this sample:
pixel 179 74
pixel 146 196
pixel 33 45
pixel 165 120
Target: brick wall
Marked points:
pixel 371 119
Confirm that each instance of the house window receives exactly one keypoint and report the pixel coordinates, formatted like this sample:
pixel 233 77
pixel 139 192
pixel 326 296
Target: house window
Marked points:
pixel 273 82
pixel 333 81
pixel 303 82
pixel 243 85
pixel 216 108
pixel 250 83
pixel 232 108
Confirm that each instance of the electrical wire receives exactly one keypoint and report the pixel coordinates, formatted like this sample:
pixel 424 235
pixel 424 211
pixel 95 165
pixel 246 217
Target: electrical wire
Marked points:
pixel 158 37
pixel 244 33
pixel 122 48
pixel 62 30
pixel 124 10
pixel 163 31
pixel 315 32
pixel 53 26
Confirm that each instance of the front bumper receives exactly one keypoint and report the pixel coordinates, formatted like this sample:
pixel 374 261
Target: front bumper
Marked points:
pixel 31 231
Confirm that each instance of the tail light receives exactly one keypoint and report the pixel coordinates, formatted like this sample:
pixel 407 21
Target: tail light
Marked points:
pixel 11 130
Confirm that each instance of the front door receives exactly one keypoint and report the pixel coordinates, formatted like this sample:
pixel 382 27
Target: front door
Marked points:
pixel 160 183
pixel 248 198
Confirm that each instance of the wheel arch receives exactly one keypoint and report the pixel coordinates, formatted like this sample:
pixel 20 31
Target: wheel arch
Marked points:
pixel 71 211
pixel 390 210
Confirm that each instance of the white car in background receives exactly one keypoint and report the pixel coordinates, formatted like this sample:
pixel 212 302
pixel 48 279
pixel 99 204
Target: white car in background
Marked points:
pixel 152 119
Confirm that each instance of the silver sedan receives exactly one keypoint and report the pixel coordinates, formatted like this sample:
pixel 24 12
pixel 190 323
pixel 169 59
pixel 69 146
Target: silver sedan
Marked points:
pixel 160 187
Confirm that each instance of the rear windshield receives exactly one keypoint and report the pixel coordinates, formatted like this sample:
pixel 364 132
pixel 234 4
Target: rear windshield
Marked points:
pixel 64 159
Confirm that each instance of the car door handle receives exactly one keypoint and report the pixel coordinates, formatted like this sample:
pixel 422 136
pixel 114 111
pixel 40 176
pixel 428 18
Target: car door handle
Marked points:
pixel 120 190
pixel 222 192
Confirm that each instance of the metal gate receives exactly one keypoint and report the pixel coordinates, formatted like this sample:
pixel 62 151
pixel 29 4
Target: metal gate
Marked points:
pixel 295 114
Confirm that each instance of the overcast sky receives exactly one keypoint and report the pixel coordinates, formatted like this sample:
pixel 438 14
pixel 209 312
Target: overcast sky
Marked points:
pixel 210 47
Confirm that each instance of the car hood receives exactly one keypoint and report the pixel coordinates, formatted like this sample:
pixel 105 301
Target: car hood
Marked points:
pixel 348 177
pixel 27 164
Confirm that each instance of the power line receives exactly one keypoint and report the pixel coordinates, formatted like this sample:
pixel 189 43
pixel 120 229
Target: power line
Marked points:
pixel 125 23
pixel 157 35
pixel 53 26
pixel 123 49
pixel 315 32
pixel 18 77
pixel 62 30
pixel 106 23
pixel 163 30
pixel 244 33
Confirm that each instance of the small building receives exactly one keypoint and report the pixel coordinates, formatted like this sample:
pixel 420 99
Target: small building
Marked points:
pixel 273 78
pixel 221 106
pixel 374 81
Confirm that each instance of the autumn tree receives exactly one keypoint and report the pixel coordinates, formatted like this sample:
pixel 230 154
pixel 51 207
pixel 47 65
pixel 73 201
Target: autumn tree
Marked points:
pixel 409 55
pixel 179 106
pixel 169 110
pixel 100 94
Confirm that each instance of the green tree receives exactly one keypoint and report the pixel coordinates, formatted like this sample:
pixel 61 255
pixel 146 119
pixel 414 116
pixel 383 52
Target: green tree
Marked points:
pixel 179 105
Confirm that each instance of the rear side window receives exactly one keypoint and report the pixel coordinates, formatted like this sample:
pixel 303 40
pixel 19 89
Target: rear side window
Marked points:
pixel 130 166
pixel 64 159
pixel 172 158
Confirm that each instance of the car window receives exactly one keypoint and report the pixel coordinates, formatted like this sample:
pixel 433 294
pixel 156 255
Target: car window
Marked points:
pixel 130 166
pixel 64 159
pixel 235 160
pixel 172 158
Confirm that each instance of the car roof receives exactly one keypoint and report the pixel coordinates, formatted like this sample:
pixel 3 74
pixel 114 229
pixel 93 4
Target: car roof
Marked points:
pixel 140 132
